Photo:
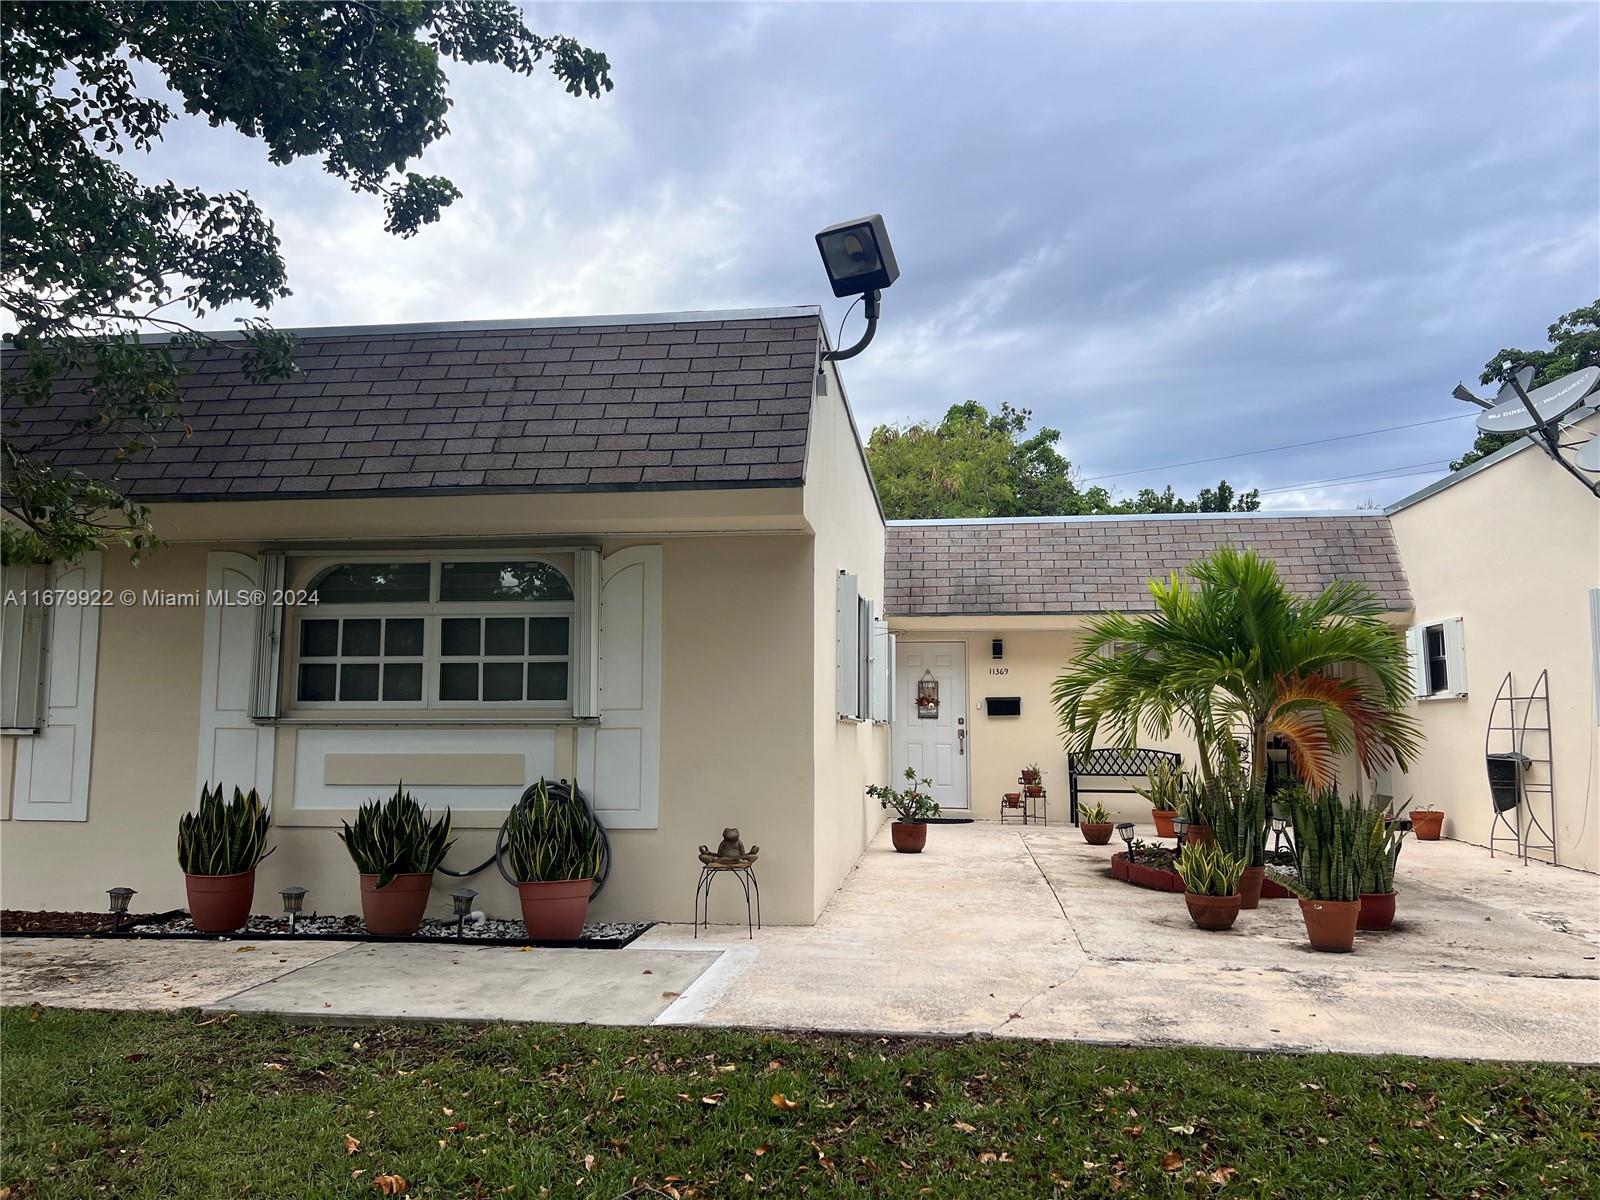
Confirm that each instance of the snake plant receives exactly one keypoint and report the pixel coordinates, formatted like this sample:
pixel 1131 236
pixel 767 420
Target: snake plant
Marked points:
pixel 223 837
pixel 551 839
pixel 1093 814
pixel 396 837
pixel 1236 810
pixel 1327 839
pixel 1378 850
pixel 1166 787
pixel 1210 871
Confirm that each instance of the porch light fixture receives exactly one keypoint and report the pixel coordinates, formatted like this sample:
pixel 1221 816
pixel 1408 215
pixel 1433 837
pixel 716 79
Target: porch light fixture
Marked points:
pixel 860 262
pixel 461 903
pixel 1125 832
pixel 294 899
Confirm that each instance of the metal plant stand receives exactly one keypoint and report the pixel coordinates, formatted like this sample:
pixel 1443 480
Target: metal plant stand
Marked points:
pixel 1518 763
pixel 746 876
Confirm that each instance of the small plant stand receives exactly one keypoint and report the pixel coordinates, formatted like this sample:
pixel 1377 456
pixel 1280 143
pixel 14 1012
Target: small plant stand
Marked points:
pixel 1517 751
pixel 745 873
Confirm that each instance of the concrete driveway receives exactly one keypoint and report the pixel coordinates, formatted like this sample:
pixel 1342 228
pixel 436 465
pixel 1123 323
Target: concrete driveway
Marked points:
pixel 997 930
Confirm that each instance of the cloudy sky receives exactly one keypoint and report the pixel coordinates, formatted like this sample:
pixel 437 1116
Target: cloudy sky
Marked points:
pixel 1173 233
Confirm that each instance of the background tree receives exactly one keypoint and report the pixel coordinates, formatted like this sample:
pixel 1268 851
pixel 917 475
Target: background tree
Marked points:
pixel 1574 344
pixel 975 463
pixel 90 255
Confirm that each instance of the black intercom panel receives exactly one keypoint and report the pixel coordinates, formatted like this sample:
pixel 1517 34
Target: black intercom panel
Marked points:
pixel 1003 706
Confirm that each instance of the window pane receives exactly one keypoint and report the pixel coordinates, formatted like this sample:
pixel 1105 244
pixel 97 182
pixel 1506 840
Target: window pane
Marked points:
pixel 319 639
pixel 317 681
pixel 547 635
pixel 402 681
pixel 503 635
pixel 373 583
pixel 358 681
pixel 403 637
pixel 458 681
pixel 361 638
pixel 479 581
pixel 458 635
pixel 1436 641
pixel 502 681
pixel 547 681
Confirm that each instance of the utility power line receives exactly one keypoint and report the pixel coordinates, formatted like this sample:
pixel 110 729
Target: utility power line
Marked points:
pixel 1396 472
pixel 1343 437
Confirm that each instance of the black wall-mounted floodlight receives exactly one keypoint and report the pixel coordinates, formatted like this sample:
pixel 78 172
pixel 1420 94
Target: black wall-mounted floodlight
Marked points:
pixel 859 262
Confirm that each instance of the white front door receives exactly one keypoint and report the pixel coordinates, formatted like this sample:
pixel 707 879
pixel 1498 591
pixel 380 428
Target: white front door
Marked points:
pixel 932 740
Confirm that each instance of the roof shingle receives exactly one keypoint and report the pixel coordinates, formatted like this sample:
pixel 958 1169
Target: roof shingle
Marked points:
pixel 1085 566
pixel 601 404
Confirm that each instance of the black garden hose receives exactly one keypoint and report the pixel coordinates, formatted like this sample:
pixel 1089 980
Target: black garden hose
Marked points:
pixel 561 792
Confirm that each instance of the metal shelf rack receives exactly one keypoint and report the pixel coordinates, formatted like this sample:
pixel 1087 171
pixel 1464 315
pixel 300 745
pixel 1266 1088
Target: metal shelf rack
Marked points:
pixel 1525 746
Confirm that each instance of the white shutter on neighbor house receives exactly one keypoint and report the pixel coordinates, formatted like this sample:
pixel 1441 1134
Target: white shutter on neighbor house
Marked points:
pixel 1417 660
pixel 586 634
pixel 847 662
pixel 22 656
pixel 880 673
pixel 234 750
pixel 1455 656
pixel 51 779
pixel 864 611
pixel 619 760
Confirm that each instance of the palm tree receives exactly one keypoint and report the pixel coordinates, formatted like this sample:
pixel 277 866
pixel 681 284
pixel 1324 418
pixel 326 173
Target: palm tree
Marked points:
pixel 1229 649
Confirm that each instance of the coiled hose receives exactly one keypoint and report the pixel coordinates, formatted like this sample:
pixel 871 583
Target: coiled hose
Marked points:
pixel 561 792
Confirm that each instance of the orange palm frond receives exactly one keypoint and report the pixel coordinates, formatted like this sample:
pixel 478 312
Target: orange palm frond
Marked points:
pixel 1349 717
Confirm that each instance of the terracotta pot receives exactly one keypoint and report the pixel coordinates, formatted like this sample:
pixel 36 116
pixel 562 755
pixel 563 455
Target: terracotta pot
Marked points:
pixel 1212 912
pixel 220 903
pixel 555 912
pixel 909 836
pixel 394 910
pixel 1198 835
pixel 1033 789
pixel 1377 910
pixel 1142 876
pixel 1164 818
pixel 1331 924
pixel 1097 833
pixel 1250 886
pixel 1426 824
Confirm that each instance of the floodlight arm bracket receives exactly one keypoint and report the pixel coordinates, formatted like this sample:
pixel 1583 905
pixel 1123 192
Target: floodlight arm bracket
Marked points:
pixel 871 310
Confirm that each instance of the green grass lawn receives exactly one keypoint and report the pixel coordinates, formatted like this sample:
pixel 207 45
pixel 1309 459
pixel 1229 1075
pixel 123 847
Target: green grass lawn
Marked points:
pixel 146 1105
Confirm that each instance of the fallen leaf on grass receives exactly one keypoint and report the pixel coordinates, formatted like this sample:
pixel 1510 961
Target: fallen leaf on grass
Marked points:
pixel 1171 1161
pixel 963 1127
pixel 1133 1130
pixel 588 1162
pixel 1186 1130
pixel 272 1066
pixel 779 1100
pixel 1223 1175
pixel 762 1149
pixel 351 1145
pixel 616 1096
pixel 714 1099
pixel 358 1173
pixel 127 1058
pixel 389 1185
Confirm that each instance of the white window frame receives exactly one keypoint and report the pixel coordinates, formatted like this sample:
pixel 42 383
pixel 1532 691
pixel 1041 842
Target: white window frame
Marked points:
pixel 433 612
pixel 1452 634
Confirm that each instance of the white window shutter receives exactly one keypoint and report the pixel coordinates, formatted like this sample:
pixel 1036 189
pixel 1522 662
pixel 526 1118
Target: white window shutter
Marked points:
pixel 848 646
pixel 864 672
pixel 1417 660
pixel 265 689
pixel 889 669
pixel 234 750
pixel 619 760
pixel 882 660
pixel 1455 656
pixel 586 634
pixel 22 653
pixel 51 779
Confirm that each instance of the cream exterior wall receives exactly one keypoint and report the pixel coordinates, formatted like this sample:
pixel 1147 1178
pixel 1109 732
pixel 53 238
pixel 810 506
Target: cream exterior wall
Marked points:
pixel 849 536
pixel 737 744
pixel 1513 551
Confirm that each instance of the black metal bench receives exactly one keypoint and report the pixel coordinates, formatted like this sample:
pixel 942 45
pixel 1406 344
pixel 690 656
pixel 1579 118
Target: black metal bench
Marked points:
pixel 1113 763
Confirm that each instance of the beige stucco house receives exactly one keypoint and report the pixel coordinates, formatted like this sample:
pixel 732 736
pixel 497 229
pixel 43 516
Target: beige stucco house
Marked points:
pixel 645 552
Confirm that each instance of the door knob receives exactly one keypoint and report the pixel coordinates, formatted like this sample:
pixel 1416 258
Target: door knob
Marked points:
pixel 961 741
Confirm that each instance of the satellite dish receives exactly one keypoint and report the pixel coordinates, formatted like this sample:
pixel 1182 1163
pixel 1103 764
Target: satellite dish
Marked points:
pixel 1588 456
pixel 1551 402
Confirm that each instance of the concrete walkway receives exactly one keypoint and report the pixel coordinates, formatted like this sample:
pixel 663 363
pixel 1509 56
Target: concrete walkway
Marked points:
pixel 1010 931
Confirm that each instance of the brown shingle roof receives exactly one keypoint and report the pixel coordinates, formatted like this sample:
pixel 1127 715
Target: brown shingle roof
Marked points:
pixel 684 400
pixel 1092 565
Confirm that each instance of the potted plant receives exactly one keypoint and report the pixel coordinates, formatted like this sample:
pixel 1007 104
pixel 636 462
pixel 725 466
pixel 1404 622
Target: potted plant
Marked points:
pixel 1192 808
pixel 1327 878
pixel 1032 780
pixel 395 846
pixel 218 848
pixel 1426 822
pixel 912 806
pixel 1095 823
pixel 1211 885
pixel 1379 851
pixel 555 851
pixel 1236 812
pixel 1164 788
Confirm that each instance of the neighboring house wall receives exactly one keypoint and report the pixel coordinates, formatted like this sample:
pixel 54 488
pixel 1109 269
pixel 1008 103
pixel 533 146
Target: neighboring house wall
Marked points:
pixel 1514 551
pixel 736 748
pixel 849 536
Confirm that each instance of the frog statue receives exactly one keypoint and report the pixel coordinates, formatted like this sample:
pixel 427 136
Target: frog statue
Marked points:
pixel 731 850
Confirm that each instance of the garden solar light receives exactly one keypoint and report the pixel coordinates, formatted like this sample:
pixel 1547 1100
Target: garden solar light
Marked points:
pixel 461 899
pixel 860 262
pixel 294 898
pixel 1181 825
pixel 119 899
pixel 1125 832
